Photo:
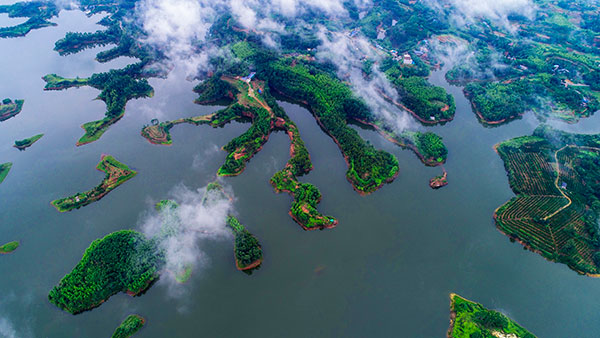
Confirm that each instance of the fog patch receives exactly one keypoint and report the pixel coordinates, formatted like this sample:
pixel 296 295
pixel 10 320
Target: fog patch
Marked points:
pixel 182 231
pixel 465 12
pixel 348 54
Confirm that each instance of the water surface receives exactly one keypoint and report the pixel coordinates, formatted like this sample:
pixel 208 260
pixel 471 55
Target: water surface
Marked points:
pixel 386 270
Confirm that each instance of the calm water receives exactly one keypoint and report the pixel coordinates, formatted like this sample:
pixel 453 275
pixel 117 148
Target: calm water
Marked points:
pixel 385 271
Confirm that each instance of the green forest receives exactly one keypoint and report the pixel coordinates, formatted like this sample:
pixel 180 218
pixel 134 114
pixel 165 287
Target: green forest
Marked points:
pixel 4 170
pixel 9 247
pixel 248 253
pixel 131 325
pixel 124 261
pixel 472 320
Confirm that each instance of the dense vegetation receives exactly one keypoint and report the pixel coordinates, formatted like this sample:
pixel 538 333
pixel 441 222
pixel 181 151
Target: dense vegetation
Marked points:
pixel 9 109
pixel 9 247
pixel 333 104
pixel 4 169
pixel 131 325
pixel 116 172
pixel 472 320
pixel 549 65
pixel 214 89
pixel 124 261
pixel 248 253
pixel 555 176
pixel 37 12
pixel 117 86
pixel 28 142
pixel 428 103
pixel 306 196
pixel 266 116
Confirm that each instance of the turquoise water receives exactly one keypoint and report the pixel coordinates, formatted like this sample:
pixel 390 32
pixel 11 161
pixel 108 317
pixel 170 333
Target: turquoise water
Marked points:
pixel 386 270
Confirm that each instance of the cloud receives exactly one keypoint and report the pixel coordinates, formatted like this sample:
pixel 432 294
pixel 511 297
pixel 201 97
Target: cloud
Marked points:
pixel 200 217
pixel 6 329
pixel 494 9
pixel 348 55
pixel 180 28
pixel 468 11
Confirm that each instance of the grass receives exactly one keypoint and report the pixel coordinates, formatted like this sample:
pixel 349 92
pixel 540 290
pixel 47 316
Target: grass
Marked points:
pixel 55 82
pixel 95 129
pixel 28 142
pixel 4 169
pixel 9 247
pixel 131 325
pixel 9 109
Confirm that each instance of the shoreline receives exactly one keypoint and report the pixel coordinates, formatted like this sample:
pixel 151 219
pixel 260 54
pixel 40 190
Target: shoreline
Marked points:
pixel 420 119
pixel 412 147
pixel 346 158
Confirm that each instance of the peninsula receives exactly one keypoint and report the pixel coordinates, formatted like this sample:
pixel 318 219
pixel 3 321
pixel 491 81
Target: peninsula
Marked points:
pixel 556 177
pixel 251 101
pixel 37 12
pixel 117 173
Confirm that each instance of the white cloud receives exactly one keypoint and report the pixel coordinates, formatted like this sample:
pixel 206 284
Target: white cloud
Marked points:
pixel 201 216
pixel 347 54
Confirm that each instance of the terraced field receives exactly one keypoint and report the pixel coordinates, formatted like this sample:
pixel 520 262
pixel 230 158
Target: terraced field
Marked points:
pixel 554 212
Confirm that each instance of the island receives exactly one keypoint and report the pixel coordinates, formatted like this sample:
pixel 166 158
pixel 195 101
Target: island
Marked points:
pixel 8 247
pixel 116 172
pixel 248 253
pixel 439 181
pixel 4 170
pixel 9 109
pixel 131 325
pixel 556 177
pixel 28 142
pixel 124 261
pixel 471 320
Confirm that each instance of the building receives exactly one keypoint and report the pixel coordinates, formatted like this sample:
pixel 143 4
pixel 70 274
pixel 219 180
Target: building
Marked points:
pixel 407 59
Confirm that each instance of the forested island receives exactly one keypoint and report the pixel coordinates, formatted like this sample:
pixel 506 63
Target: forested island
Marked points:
pixel 556 177
pixel 37 12
pixel 9 247
pixel 4 170
pixel 130 326
pixel 116 172
pixel 124 261
pixel 248 253
pixel 9 109
pixel 471 320
pixel 28 142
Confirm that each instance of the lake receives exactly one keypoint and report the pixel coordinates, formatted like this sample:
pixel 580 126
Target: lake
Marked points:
pixel 386 270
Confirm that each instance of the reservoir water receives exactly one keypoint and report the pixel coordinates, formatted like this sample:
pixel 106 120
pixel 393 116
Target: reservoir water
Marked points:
pixel 385 271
